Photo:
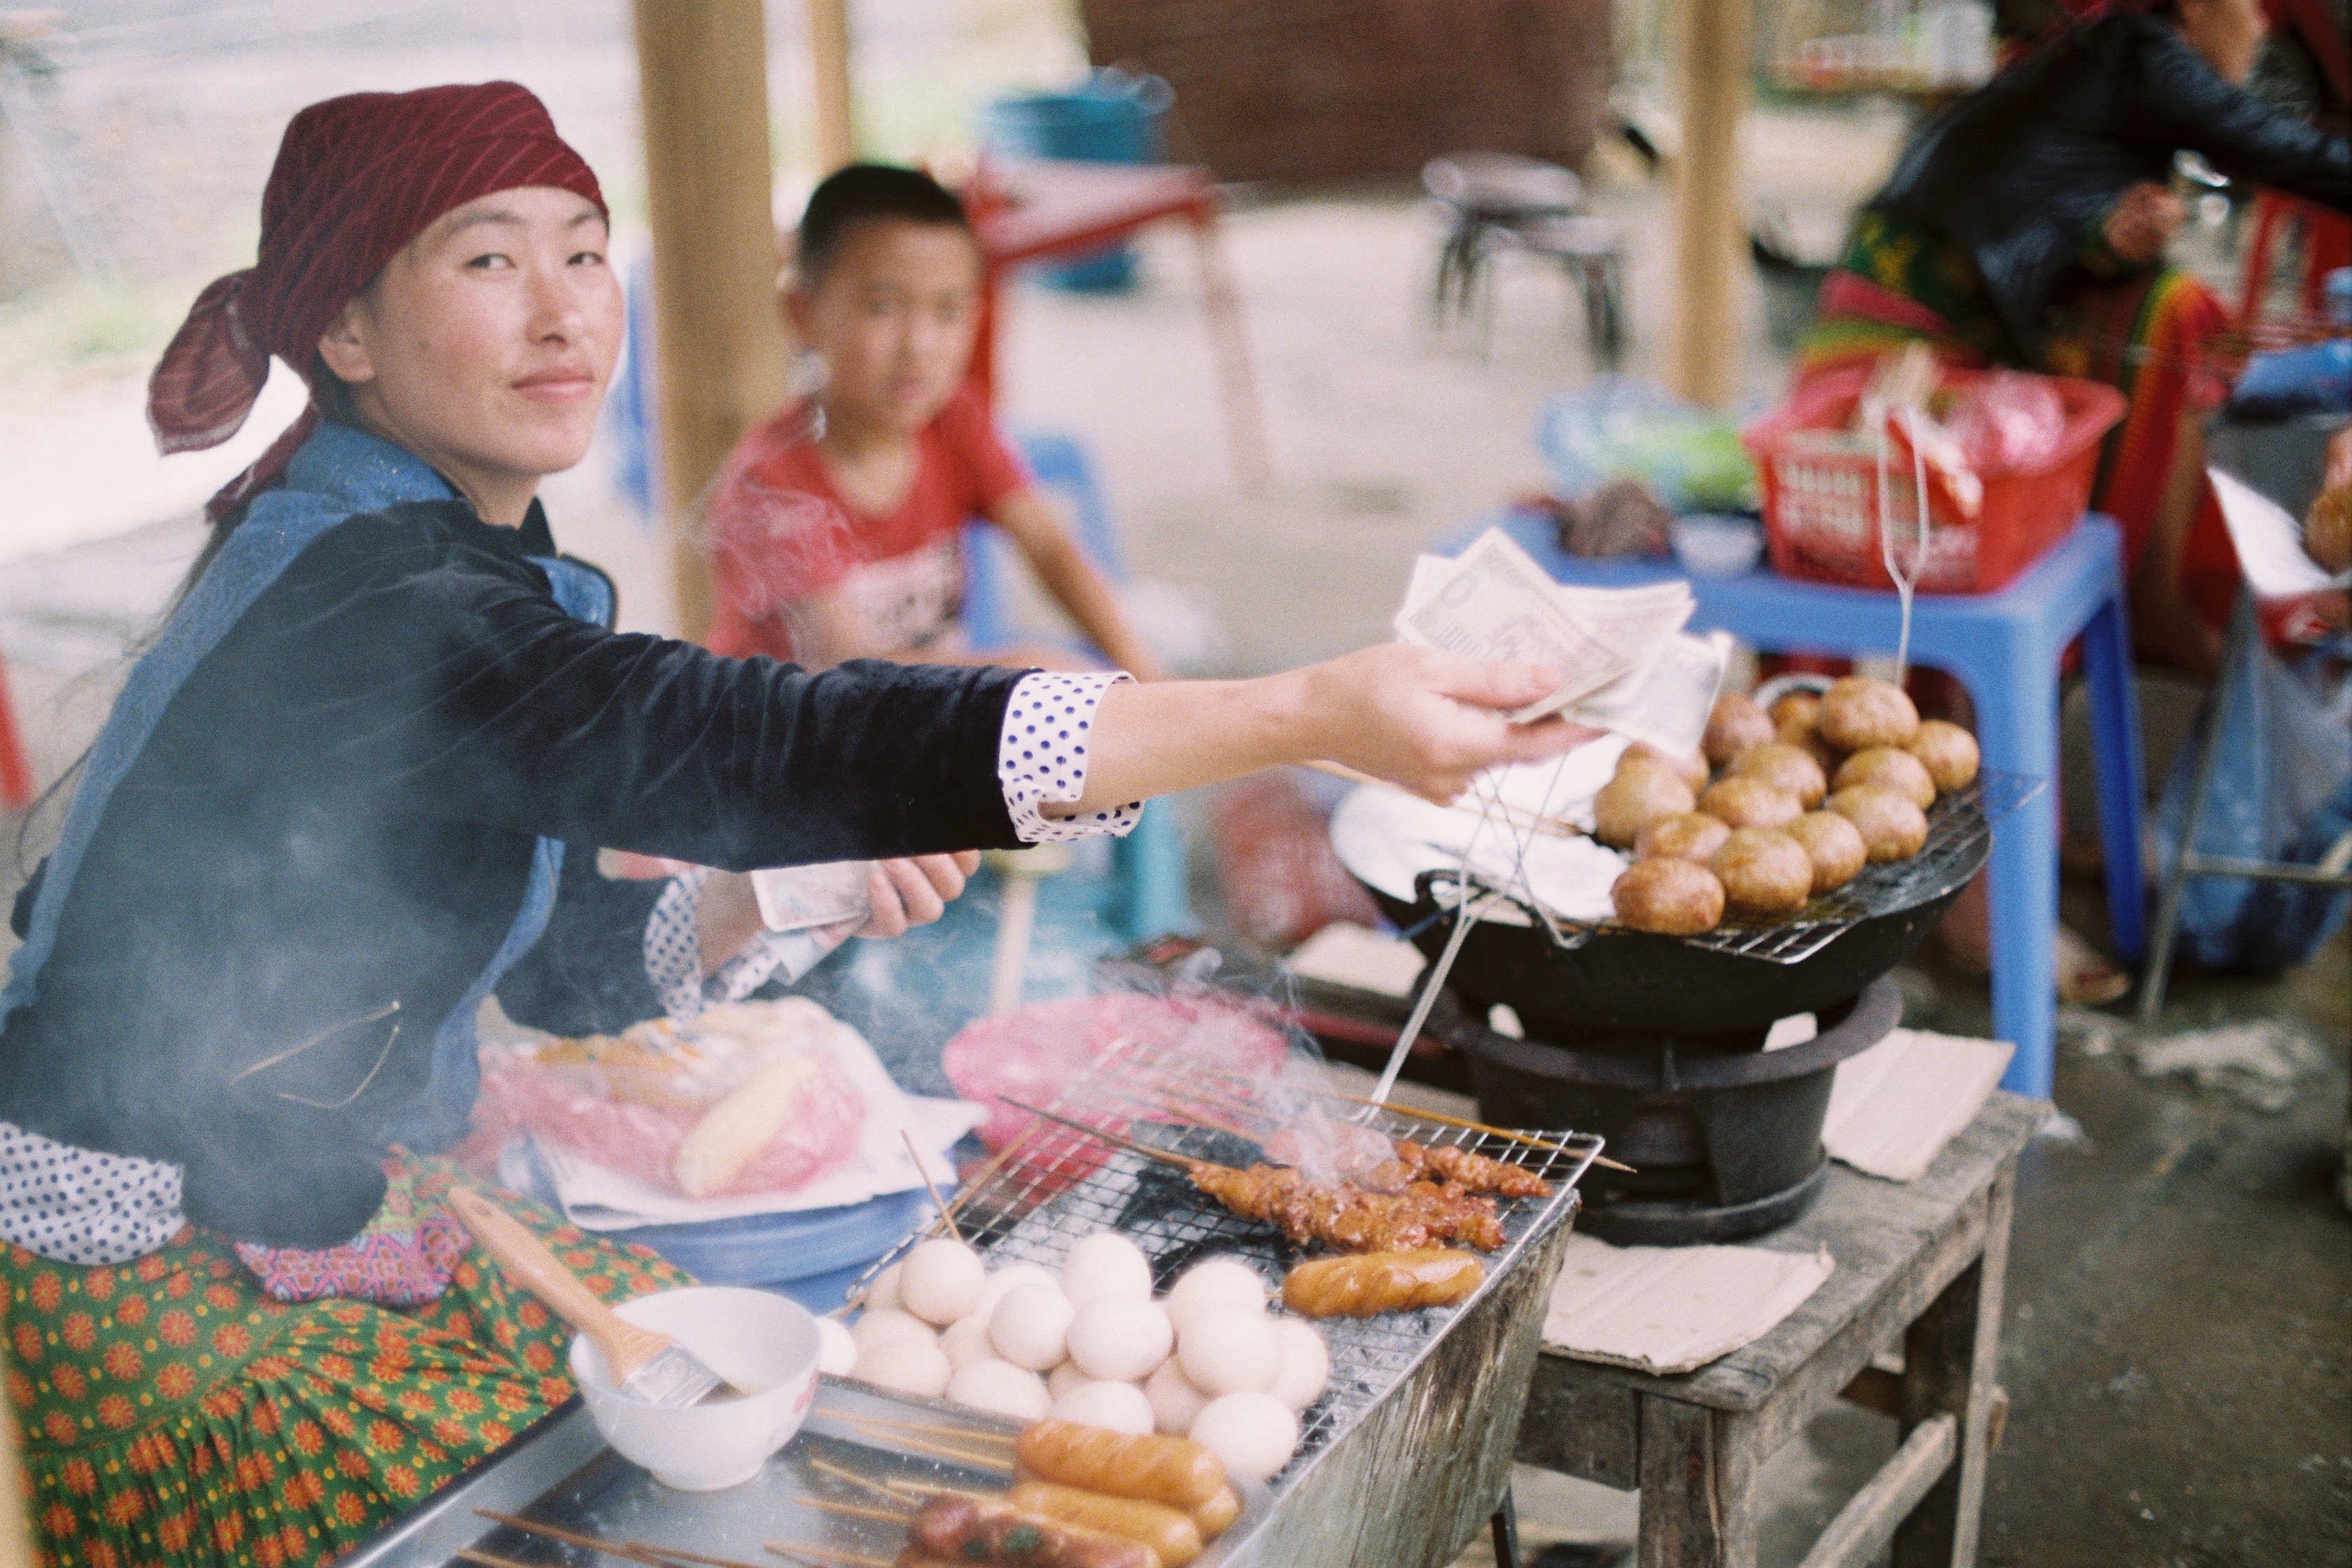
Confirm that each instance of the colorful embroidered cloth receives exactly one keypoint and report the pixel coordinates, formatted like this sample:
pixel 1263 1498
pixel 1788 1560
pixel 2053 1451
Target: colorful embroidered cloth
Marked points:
pixel 405 1257
pixel 172 1412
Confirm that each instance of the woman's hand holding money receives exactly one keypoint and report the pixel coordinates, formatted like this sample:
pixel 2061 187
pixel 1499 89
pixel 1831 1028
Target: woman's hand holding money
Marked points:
pixel 1421 718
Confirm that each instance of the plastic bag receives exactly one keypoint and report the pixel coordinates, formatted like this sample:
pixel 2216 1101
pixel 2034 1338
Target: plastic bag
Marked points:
pixel 2282 790
pixel 1621 428
pixel 2008 421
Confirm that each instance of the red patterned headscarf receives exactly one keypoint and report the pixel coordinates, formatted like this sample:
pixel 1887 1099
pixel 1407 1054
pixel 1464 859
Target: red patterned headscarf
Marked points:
pixel 356 179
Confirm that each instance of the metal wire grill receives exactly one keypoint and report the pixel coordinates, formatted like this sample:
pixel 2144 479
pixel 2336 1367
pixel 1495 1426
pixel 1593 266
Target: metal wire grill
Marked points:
pixel 1055 1183
pixel 1960 834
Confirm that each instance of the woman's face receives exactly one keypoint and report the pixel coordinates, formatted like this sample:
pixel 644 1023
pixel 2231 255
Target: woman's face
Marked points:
pixel 485 345
pixel 2227 33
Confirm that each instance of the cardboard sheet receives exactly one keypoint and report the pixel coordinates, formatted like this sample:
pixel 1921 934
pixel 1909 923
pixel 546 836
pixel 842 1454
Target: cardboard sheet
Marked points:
pixel 1894 1107
pixel 1667 1310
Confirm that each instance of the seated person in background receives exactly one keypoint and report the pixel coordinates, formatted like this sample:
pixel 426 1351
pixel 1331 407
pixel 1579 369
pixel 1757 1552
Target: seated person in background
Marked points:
pixel 2026 226
pixel 833 526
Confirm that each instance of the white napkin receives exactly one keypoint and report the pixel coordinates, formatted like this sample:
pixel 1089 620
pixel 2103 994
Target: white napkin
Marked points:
pixel 1664 1310
pixel 1894 1107
pixel 595 1198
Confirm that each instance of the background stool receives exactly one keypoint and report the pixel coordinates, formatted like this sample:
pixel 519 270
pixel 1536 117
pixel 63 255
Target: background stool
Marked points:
pixel 1491 203
pixel 1148 863
pixel 2005 648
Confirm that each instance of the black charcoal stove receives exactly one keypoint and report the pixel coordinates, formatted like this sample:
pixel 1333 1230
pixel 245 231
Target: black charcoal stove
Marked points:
pixel 1657 1043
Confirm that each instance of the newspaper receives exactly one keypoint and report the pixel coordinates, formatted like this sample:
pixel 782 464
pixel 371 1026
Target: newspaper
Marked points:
pixel 1629 668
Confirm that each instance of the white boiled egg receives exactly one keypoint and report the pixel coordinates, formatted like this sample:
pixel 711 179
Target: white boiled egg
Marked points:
pixel 1253 1434
pixel 1120 1339
pixel 1230 1350
pixel 1116 1407
pixel 1001 1387
pixel 904 1365
pixel 1030 1326
pixel 1105 1264
pixel 1306 1362
pixel 1174 1401
pixel 942 1281
pixel 1215 1282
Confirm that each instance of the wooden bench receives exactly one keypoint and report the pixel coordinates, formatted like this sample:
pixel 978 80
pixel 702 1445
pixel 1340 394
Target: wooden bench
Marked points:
pixel 1917 1286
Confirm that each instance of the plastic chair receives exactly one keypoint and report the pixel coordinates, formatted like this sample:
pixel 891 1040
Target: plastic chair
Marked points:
pixel 15 773
pixel 1148 863
pixel 2005 648
pixel 2327 238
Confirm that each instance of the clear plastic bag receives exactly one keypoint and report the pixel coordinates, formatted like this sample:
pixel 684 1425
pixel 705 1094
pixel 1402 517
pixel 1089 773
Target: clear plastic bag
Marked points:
pixel 2282 790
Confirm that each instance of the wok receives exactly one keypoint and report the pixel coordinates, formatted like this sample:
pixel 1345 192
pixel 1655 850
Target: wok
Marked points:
pixel 1606 987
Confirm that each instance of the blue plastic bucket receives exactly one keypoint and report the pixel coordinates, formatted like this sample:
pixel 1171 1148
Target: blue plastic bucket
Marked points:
pixel 1112 117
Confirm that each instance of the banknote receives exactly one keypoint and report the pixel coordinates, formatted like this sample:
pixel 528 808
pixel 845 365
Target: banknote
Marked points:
pixel 1667 700
pixel 1497 604
pixel 800 898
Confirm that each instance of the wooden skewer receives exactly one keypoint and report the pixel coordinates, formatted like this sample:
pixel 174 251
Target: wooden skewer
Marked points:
pixel 1436 1116
pixel 976 1433
pixel 820 1554
pixel 938 1202
pixel 938 1451
pixel 1165 1157
pixel 679 1554
pixel 489 1560
pixel 920 1490
pixel 568 1537
pixel 837 1473
pixel 855 1510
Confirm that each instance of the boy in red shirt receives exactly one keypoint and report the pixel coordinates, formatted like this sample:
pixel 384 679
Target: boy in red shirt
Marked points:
pixel 833 525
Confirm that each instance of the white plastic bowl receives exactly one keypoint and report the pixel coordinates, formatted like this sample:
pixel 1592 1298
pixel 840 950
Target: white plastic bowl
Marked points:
pixel 752 1339
pixel 1711 546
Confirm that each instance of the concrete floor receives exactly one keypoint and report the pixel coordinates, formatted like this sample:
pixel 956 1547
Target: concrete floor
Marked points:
pixel 2178 1348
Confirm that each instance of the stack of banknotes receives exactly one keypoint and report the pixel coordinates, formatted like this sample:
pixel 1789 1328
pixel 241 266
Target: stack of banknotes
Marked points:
pixel 1628 666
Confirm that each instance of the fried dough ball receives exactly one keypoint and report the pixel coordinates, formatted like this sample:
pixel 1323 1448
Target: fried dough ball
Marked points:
pixel 1735 724
pixel 1691 770
pixel 1892 827
pixel 1948 753
pixel 1673 898
pixel 1693 836
pixel 1784 767
pixel 1833 845
pixel 1749 802
pixel 1763 872
pixel 2327 530
pixel 1798 709
pixel 1859 712
pixel 1635 798
pixel 1890 767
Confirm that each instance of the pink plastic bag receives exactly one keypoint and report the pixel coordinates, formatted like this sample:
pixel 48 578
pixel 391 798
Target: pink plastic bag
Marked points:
pixel 2008 421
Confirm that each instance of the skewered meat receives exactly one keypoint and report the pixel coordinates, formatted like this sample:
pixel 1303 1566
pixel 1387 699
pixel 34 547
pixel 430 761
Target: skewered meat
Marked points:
pixel 957 1528
pixel 1350 1218
pixel 1471 1171
pixel 1365 1159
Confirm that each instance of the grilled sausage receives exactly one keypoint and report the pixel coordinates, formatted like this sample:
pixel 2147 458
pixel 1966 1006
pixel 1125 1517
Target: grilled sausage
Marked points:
pixel 1169 1532
pixel 1382 1282
pixel 1157 1469
pixel 1216 1516
pixel 984 1530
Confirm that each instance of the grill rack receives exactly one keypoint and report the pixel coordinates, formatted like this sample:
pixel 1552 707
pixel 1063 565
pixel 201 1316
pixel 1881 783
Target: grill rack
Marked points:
pixel 1054 1185
pixel 1959 828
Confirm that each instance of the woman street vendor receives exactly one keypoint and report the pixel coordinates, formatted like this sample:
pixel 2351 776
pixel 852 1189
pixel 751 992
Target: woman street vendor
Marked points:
pixel 2026 226
pixel 357 786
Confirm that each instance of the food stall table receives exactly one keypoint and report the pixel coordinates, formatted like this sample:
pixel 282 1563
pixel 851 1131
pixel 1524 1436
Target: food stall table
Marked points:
pixel 1919 1269
pixel 2005 648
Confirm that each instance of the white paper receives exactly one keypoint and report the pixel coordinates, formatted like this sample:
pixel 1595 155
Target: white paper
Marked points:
pixel 1345 954
pixel 595 1198
pixel 1664 1309
pixel 1894 1107
pixel 1388 839
pixel 2268 542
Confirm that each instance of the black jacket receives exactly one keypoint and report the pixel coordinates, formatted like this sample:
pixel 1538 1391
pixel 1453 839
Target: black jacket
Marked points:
pixel 337 811
pixel 2022 169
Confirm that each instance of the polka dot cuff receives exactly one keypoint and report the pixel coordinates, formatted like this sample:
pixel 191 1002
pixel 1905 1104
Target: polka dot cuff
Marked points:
pixel 1041 757
pixel 77 1205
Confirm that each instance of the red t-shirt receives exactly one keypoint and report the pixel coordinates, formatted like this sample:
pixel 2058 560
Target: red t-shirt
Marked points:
pixel 781 533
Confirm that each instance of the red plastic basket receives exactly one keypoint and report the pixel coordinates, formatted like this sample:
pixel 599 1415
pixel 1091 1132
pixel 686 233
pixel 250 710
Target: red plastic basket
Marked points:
pixel 1820 496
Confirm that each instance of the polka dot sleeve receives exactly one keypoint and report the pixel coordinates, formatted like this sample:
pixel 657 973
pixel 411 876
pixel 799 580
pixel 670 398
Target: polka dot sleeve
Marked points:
pixel 1041 756
pixel 77 1205
pixel 673 947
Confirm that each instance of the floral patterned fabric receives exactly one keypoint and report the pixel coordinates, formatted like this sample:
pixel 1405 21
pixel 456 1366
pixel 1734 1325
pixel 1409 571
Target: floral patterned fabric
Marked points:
pixel 172 1413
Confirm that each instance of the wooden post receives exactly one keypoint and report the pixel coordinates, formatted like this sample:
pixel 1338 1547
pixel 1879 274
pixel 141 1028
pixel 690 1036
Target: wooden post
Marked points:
pixel 702 68
pixel 836 115
pixel 1709 244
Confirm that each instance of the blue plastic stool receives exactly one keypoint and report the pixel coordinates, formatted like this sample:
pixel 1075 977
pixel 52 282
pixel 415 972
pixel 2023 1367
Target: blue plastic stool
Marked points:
pixel 2005 648
pixel 1148 863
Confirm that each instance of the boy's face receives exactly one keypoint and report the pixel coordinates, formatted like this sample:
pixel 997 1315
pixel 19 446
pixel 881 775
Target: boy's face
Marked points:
pixel 894 318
